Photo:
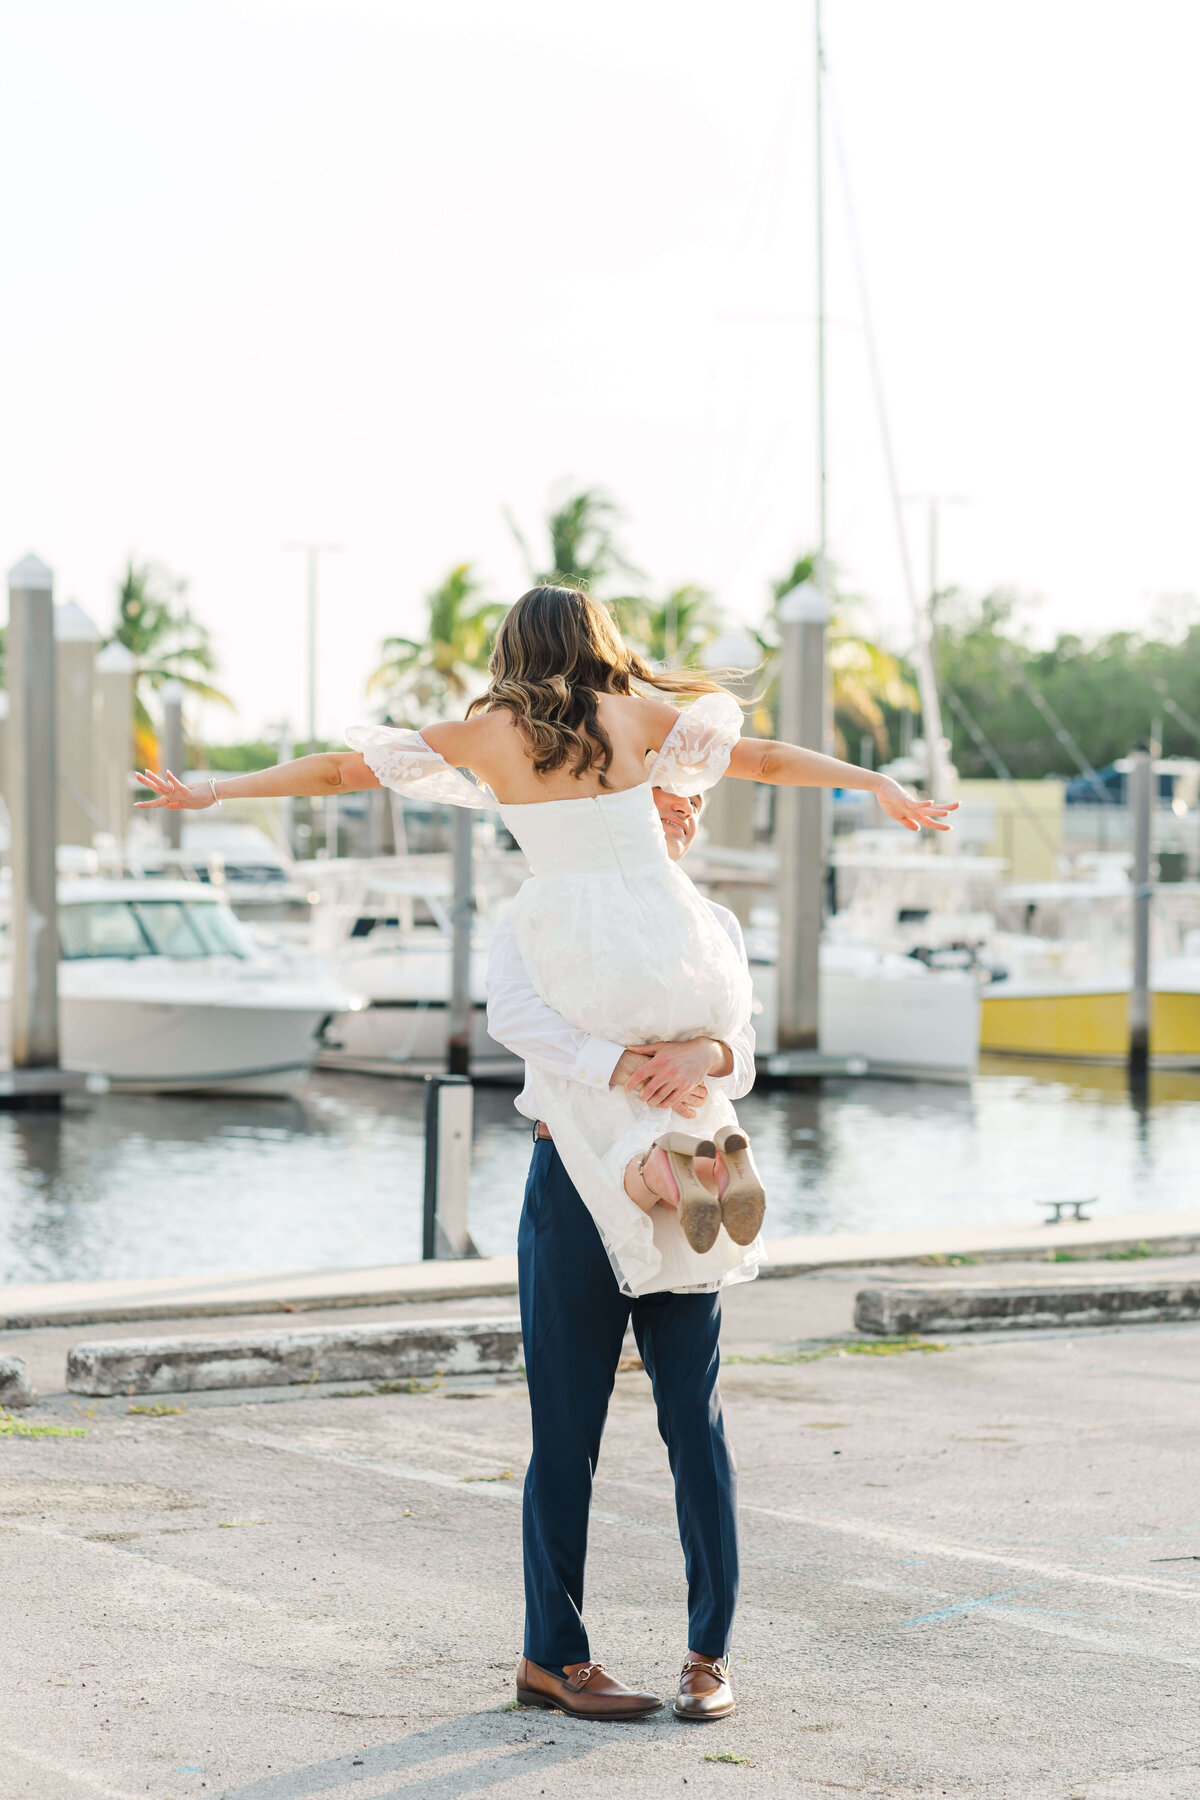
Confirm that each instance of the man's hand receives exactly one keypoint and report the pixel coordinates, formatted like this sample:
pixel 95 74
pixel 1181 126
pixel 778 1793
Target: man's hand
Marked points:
pixel 690 1105
pixel 667 1073
pixel 628 1063
pixel 633 1062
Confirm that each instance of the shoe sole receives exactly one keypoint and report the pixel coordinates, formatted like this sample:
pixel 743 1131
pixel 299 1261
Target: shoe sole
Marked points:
pixel 699 1210
pixel 743 1202
pixel 528 1697
pixel 701 1221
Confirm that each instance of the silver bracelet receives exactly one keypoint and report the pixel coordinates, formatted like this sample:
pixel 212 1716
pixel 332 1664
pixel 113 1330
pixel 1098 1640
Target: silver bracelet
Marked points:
pixel 213 787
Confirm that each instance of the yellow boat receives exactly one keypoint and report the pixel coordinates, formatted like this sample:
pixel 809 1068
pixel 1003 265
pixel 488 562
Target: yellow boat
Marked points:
pixel 1090 1022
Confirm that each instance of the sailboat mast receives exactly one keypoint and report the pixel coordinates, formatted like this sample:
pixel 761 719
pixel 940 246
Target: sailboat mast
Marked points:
pixel 800 812
pixel 819 171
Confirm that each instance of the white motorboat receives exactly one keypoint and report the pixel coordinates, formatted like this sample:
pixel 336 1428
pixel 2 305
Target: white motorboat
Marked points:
pixel 162 989
pixel 259 882
pixel 889 1014
pixel 384 928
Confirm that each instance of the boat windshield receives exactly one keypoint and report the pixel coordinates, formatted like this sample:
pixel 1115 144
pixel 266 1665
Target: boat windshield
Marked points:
pixel 130 928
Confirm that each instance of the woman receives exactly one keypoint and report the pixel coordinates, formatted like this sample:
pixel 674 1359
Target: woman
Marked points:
pixel 614 936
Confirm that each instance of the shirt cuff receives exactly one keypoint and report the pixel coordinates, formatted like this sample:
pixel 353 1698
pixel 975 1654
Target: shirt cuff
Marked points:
pixel 596 1061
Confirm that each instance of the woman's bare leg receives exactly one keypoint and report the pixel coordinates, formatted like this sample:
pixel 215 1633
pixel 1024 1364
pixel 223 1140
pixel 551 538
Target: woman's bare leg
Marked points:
pixel 649 1180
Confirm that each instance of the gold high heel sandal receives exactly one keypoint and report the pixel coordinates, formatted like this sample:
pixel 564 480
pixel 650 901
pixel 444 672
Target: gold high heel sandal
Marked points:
pixel 743 1201
pixel 699 1208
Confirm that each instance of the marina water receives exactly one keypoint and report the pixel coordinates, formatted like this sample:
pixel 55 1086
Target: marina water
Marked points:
pixel 132 1186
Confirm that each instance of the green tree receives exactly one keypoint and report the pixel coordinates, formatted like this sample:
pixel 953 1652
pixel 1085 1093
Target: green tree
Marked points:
pixel 671 631
pixel 868 681
pixel 582 541
pixel 1108 692
pixel 424 680
pixel 156 625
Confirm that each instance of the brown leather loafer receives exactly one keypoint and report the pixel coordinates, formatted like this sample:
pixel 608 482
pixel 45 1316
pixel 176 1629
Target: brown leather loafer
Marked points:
pixel 586 1692
pixel 704 1690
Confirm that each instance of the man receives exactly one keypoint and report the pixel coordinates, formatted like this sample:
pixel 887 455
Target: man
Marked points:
pixel 573 1322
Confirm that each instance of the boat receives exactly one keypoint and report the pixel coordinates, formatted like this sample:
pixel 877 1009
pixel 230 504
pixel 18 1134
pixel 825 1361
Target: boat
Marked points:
pixel 384 928
pixel 1090 1022
pixel 259 882
pixel 163 990
pixel 879 1013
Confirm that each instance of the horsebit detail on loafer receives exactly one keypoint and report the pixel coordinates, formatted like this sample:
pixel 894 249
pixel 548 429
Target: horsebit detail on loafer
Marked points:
pixel 584 1674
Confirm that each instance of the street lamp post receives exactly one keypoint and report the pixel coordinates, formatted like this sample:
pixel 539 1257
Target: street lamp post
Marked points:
pixel 173 756
pixel 312 555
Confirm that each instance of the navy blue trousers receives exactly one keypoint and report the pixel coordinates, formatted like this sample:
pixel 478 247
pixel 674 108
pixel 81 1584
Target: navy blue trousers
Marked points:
pixel 573 1320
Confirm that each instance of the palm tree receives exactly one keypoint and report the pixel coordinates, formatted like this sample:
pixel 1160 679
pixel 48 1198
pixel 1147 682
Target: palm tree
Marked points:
pixel 673 630
pixel 156 625
pixel 865 677
pixel 583 547
pixel 422 681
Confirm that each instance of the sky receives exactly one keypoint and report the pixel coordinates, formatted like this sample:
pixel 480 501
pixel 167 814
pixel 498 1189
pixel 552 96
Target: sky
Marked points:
pixel 368 272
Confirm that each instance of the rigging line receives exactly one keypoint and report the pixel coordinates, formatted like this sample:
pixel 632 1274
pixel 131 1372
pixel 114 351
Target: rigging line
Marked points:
pixel 926 681
pixel 1185 718
pixel 766 192
pixel 1061 733
pixel 988 750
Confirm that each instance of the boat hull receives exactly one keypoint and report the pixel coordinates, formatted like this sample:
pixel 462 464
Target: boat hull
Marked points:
pixel 1090 1026
pixel 160 1047
pixel 925 1028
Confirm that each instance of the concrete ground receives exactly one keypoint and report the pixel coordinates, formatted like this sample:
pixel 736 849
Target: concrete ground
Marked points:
pixel 967 1572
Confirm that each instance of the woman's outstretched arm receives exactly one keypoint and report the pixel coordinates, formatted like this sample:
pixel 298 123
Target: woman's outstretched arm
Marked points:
pixel 328 772
pixel 787 765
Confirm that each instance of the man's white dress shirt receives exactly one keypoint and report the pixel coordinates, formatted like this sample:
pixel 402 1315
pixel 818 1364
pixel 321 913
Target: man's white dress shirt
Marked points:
pixel 520 1020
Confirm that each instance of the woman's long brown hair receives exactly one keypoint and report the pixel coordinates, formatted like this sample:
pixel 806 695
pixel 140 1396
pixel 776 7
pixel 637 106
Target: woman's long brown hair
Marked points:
pixel 555 651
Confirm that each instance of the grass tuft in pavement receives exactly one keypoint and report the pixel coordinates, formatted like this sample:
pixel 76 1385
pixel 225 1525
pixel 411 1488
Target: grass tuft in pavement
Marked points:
pixel 11 1427
pixel 884 1346
pixel 388 1387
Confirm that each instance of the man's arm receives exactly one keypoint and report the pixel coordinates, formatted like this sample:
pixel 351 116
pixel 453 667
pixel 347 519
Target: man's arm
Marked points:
pixel 738 1079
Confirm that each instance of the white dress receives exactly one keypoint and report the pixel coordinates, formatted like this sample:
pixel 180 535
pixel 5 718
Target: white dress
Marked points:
pixel 617 940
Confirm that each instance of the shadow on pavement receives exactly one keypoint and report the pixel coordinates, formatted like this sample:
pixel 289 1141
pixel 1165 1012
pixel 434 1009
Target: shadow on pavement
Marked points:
pixel 517 1739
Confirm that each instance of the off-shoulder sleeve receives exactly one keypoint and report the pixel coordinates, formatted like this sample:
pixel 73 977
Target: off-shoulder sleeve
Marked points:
pixel 404 761
pixel 696 750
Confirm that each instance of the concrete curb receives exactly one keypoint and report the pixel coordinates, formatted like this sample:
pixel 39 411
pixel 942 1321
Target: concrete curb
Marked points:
pixel 914 1311
pixel 16 1389
pixel 386 1352
pixel 29 1306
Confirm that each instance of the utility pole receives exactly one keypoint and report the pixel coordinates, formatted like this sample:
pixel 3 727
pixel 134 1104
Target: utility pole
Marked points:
pixel 312 554
pixel 804 614
pixel 939 774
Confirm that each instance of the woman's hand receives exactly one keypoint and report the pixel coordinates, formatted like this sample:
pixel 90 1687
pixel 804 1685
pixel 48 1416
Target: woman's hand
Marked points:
pixel 171 792
pixel 910 812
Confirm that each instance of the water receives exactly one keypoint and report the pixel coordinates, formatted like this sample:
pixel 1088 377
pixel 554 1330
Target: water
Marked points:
pixel 333 1178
